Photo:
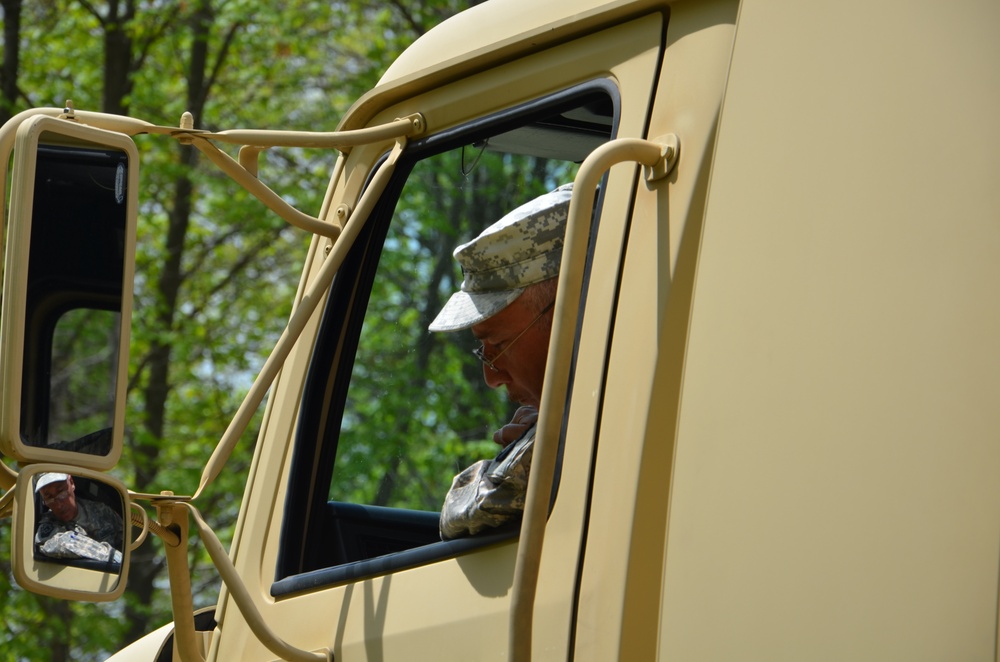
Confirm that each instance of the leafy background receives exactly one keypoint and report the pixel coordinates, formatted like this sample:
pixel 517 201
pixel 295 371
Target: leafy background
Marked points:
pixel 418 410
pixel 215 275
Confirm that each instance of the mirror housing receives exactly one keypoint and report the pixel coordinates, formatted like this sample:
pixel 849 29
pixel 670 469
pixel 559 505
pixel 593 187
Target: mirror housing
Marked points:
pixel 67 542
pixel 67 297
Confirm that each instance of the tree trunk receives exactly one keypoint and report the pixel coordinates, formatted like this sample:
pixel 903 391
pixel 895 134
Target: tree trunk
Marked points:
pixel 118 58
pixel 168 289
pixel 11 57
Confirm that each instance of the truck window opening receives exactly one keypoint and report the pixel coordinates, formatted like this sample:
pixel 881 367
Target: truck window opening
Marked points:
pixel 404 409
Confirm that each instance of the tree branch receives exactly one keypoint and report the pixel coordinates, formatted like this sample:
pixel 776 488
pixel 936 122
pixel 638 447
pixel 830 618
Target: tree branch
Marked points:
pixel 220 61
pixel 93 11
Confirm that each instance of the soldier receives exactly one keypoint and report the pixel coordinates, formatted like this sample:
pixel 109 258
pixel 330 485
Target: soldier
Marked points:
pixel 509 288
pixel 75 528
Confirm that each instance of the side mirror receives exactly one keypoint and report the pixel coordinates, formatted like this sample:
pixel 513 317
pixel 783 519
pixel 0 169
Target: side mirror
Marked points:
pixel 72 535
pixel 67 293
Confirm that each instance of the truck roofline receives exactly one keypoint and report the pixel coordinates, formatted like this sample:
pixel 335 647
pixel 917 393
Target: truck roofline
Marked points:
pixel 518 28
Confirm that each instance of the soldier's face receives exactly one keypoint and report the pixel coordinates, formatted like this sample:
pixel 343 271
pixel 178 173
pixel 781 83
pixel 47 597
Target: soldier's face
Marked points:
pixel 520 365
pixel 61 499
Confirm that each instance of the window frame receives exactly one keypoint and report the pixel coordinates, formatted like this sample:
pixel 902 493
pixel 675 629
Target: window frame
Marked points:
pixel 304 538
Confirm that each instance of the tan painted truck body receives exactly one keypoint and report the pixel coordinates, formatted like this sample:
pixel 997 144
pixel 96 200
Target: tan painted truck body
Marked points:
pixel 774 409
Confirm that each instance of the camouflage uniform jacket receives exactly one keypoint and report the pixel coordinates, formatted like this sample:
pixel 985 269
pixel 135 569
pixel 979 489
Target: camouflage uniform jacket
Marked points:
pixel 96 533
pixel 490 493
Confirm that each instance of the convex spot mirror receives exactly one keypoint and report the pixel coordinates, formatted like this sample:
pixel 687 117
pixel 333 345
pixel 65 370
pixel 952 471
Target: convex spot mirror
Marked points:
pixel 72 534
pixel 67 293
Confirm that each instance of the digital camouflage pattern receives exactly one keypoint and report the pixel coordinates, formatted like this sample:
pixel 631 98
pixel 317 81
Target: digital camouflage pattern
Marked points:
pixel 76 544
pixel 94 522
pixel 490 493
pixel 522 248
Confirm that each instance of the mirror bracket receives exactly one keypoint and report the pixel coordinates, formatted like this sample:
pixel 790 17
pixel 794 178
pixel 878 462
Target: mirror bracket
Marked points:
pixel 172 511
pixel 244 601
pixel 187 642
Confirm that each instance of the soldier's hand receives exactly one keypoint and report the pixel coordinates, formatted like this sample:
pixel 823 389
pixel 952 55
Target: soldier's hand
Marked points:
pixel 523 419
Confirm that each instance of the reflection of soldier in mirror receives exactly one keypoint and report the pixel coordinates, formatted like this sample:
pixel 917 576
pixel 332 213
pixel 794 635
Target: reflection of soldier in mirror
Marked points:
pixel 75 528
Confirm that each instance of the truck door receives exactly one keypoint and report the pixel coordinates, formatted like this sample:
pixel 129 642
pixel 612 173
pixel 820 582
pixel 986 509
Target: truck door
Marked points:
pixel 338 536
pixel 623 481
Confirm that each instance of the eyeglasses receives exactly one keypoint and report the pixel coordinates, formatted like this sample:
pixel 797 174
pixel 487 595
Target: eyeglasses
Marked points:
pixel 61 495
pixel 480 352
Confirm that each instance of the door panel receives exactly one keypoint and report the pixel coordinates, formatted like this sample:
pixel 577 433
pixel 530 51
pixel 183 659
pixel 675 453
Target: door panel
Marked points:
pixel 457 607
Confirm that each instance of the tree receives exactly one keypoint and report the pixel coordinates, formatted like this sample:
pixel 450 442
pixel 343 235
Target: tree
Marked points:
pixel 11 57
pixel 200 331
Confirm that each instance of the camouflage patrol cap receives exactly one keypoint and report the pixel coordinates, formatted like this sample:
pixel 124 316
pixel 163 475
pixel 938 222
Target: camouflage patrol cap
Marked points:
pixel 522 248
pixel 48 479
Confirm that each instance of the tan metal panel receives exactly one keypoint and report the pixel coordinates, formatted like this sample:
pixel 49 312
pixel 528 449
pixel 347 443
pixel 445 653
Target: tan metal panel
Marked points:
pixel 618 616
pixel 835 492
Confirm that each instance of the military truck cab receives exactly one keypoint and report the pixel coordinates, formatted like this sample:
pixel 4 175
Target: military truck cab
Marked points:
pixel 769 423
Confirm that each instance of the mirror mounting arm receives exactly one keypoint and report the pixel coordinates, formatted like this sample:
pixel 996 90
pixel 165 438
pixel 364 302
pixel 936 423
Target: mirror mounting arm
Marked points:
pixel 244 601
pixel 6 503
pixel 248 180
pixel 252 141
pixel 173 515
pixel 158 528
pixel 172 528
pixel 8 477
pixel 300 317
pixel 243 171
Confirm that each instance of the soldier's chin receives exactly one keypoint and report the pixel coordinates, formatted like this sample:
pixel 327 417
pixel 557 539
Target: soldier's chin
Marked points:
pixel 515 397
pixel 523 399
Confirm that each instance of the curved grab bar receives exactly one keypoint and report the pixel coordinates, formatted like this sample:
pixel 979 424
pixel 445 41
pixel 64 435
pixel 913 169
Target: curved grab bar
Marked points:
pixel 556 385
pixel 244 601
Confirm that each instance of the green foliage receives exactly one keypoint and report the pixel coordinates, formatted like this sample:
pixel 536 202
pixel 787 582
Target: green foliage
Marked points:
pixel 418 411
pixel 203 323
pixel 84 356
